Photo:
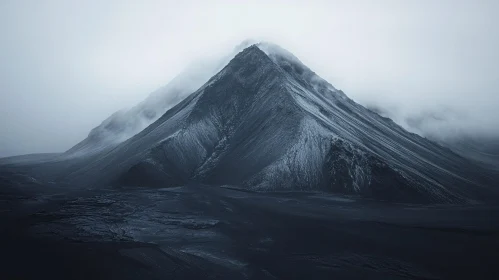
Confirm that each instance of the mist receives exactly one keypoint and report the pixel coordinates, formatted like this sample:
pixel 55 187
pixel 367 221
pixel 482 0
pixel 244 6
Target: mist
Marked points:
pixel 431 66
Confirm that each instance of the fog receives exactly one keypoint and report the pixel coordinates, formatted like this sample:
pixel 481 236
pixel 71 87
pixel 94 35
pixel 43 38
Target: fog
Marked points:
pixel 431 65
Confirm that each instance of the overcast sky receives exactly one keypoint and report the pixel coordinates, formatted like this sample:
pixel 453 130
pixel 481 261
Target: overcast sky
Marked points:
pixel 67 65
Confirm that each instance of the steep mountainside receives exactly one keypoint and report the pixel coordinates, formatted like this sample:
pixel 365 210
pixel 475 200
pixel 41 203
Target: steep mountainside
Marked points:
pixel 267 122
pixel 125 123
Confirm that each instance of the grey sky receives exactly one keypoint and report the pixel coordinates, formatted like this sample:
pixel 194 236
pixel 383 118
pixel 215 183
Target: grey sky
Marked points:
pixel 67 65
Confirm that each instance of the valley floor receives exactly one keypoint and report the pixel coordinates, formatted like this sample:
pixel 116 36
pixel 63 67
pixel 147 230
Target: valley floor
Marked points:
pixel 208 232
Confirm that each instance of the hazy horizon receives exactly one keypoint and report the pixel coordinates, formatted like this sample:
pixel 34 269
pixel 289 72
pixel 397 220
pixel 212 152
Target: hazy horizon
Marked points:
pixel 68 65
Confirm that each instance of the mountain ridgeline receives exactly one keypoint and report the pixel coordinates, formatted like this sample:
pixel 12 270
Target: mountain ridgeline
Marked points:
pixel 266 122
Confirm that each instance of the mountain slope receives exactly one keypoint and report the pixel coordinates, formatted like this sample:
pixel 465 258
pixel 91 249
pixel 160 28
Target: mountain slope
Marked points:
pixel 267 122
pixel 482 150
pixel 125 123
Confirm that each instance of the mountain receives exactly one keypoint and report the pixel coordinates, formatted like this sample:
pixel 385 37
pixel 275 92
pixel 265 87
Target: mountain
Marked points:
pixel 267 122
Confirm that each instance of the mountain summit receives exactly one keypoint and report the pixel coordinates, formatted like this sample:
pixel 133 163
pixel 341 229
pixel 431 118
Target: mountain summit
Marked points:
pixel 267 122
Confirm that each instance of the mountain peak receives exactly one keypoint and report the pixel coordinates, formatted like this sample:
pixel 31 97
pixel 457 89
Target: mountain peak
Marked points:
pixel 291 66
pixel 272 50
pixel 248 62
pixel 277 54
pixel 251 50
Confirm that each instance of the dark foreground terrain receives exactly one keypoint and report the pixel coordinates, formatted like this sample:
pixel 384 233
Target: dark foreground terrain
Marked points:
pixel 209 232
